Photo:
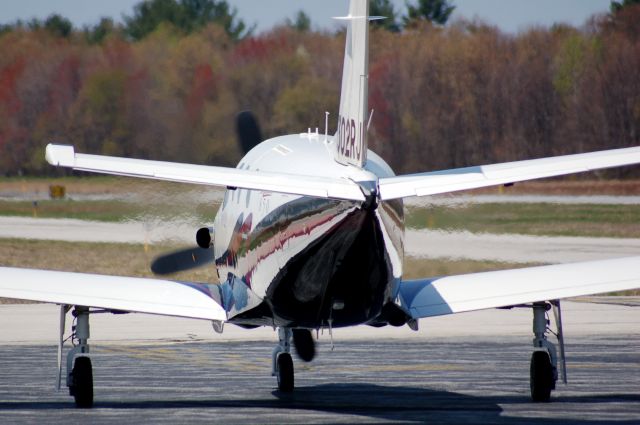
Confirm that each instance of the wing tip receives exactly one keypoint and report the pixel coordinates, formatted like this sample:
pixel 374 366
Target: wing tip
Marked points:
pixel 60 155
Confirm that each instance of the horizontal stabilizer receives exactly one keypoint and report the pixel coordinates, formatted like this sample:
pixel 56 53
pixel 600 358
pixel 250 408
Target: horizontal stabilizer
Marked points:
pixel 354 18
pixel 446 181
pixel 478 291
pixel 164 297
pixel 320 187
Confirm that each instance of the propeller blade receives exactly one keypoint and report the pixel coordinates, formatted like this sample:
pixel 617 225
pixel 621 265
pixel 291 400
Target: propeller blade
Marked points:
pixel 248 131
pixel 178 261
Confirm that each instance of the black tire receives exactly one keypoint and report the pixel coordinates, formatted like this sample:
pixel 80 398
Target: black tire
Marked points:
pixel 82 382
pixel 285 373
pixel 304 344
pixel 541 377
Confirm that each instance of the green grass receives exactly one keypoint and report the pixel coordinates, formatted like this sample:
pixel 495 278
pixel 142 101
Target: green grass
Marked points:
pixel 84 210
pixel 134 260
pixel 600 220
pixel 86 257
pixel 520 218
pixel 122 199
pixel 66 179
pixel 417 268
pixel 164 200
pixel 110 211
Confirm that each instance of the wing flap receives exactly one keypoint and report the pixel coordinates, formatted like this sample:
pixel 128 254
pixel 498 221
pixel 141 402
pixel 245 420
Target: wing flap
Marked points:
pixel 164 297
pixel 478 291
pixel 320 187
pixel 445 181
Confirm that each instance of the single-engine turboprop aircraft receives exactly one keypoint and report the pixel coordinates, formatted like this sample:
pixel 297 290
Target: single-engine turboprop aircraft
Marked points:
pixel 310 236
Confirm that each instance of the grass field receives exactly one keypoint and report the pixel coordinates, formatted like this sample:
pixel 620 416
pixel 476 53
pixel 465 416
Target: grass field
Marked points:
pixel 101 258
pixel 126 198
pixel 83 210
pixel 92 183
pixel 545 219
pixel 109 210
pixel 134 260
pixel 598 220
pixel 107 199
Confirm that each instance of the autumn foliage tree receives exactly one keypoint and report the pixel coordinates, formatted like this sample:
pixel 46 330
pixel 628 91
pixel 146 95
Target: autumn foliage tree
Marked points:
pixel 443 96
pixel 433 11
pixel 186 15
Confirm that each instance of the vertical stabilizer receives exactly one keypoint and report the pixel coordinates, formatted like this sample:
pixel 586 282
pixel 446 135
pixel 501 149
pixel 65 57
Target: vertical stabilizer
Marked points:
pixel 351 137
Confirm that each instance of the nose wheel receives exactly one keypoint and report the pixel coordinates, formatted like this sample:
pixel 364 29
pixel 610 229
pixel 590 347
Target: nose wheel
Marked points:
pixel 285 372
pixel 282 364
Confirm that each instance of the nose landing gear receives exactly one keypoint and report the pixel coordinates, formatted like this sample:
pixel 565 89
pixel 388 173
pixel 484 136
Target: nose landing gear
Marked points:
pixel 282 364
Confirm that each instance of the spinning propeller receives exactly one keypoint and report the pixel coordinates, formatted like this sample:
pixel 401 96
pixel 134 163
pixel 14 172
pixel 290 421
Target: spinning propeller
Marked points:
pixel 186 259
pixel 178 261
pixel 248 136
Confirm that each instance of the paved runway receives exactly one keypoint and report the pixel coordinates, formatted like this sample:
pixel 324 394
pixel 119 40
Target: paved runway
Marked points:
pixel 440 381
pixel 470 368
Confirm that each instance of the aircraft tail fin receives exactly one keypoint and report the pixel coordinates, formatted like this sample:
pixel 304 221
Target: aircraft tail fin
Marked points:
pixel 351 136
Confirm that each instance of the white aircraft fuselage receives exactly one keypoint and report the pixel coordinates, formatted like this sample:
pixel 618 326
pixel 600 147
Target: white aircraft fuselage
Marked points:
pixel 298 261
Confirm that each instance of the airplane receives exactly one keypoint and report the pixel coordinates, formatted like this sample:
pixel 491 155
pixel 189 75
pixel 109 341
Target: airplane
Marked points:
pixel 310 235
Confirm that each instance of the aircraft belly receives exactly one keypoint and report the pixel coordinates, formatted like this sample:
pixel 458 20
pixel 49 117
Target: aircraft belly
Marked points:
pixel 343 278
pixel 311 261
pixel 257 249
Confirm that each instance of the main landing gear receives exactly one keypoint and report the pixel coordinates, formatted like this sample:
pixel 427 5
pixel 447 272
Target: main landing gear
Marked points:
pixel 282 363
pixel 544 360
pixel 79 370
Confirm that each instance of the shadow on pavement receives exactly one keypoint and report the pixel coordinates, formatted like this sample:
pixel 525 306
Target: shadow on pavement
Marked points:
pixel 376 402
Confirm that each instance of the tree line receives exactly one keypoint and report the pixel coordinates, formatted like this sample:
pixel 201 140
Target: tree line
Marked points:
pixel 443 96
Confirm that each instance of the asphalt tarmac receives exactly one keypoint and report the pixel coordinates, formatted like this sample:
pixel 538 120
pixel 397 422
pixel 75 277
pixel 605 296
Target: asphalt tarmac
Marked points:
pixel 420 379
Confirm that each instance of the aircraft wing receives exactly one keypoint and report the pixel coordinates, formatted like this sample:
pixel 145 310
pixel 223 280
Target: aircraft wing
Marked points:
pixel 164 297
pixel 445 181
pixel 478 291
pixel 320 187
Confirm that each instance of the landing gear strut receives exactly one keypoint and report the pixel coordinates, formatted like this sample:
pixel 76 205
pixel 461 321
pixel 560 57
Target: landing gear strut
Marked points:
pixel 544 360
pixel 79 370
pixel 282 364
